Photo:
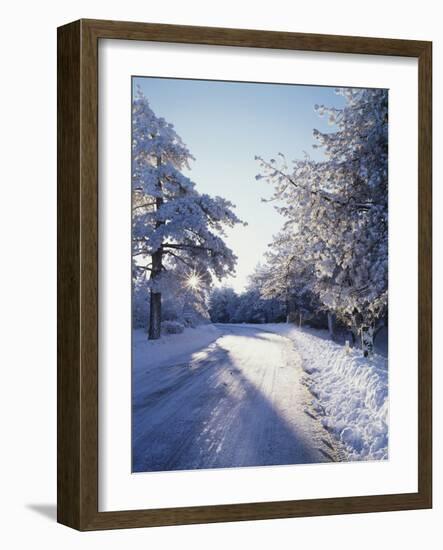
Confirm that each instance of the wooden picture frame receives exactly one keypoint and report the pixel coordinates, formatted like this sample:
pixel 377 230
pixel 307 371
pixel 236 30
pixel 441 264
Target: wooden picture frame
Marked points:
pixel 78 274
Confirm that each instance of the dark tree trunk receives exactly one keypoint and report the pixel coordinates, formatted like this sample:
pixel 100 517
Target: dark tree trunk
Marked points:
pixel 155 315
pixel 352 333
pixel 155 311
pixel 331 325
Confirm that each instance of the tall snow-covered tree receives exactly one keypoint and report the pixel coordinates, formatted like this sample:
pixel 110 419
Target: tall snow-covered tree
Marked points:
pixel 337 209
pixel 172 223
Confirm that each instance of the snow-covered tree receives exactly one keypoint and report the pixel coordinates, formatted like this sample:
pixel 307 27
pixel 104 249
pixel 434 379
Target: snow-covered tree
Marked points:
pixel 223 303
pixel 286 277
pixel 253 308
pixel 172 223
pixel 337 209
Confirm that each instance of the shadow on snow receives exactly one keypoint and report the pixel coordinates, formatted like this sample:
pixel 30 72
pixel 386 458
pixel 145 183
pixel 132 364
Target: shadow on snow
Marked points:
pixel 204 413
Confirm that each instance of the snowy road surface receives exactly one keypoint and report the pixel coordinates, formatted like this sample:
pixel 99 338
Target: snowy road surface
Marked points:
pixel 238 401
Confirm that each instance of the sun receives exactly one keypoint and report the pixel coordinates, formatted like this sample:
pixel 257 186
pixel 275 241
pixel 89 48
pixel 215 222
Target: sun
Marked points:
pixel 193 281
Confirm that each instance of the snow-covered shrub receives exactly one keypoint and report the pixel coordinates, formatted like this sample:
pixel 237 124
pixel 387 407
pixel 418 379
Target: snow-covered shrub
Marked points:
pixel 172 306
pixel 172 327
pixel 140 304
pixel 190 320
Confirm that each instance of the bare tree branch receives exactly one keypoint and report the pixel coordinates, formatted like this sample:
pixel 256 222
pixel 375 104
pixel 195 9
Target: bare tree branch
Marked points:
pixel 179 258
pixel 186 246
pixel 143 205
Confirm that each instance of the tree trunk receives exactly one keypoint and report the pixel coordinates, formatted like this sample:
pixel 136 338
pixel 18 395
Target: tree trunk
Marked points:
pixel 155 315
pixel 352 333
pixel 367 340
pixel 331 324
pixel 155 311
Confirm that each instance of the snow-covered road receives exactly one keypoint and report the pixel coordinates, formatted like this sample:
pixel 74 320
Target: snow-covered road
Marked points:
pixel 238 401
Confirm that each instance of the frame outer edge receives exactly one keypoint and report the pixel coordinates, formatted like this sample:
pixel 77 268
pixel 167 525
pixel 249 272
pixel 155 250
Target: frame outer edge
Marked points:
pixel 77 172
pixel 68 276
pixel 224 36
pixel 89 220
pixel 425 274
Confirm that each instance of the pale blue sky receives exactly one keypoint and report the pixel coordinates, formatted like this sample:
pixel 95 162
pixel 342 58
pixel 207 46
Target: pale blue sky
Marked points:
pixel 225 124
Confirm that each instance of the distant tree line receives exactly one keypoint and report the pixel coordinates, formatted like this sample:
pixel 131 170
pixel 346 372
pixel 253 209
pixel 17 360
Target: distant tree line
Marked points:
pixel 228 306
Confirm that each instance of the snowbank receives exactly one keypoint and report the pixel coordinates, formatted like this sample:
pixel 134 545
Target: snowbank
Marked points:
pixel 170 347
pixel 350 391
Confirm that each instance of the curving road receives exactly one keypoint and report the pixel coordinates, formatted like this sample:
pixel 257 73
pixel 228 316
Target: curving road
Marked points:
pixel 240 401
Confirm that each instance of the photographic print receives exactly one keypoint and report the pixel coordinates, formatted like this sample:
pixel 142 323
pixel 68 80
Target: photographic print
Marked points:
pixel 259 274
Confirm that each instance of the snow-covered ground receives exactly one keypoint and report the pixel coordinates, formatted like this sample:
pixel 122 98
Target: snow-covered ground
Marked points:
pixel 170 347
pixel 250 395
pixel 237 400
pixel 350 392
